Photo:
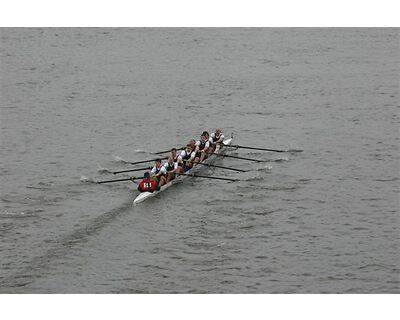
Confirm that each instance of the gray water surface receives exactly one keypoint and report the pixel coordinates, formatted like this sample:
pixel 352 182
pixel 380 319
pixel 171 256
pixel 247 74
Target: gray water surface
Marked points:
pixel 75 102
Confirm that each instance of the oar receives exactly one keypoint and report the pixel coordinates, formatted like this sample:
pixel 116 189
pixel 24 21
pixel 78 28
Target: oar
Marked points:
pixel 144 161
pixel 242 158
pixel 207 177
pixel 160 152
pixel 254 148
pixel 131 170
pixel 222 167
pixel 262 149
pixel 118 180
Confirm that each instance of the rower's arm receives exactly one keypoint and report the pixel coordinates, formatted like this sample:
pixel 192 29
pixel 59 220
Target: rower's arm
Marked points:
pixel 162 171
pixel 220 140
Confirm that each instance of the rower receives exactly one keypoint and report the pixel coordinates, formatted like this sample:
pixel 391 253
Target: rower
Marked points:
pixel 156 173
pixel 173 153
pixel 147 184
pixel 187 157
pixel 178 160
pixel 202 147
pixel 168 170
pixel 207 135
pixel 216 137
pixel 192 142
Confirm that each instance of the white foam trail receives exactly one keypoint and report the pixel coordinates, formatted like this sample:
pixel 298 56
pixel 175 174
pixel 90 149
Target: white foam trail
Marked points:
pixel 8 213
pixel 139 151
pixel 119 159
pixel 266 167
pixel 281 159
pixel 86 179
pixel 100 169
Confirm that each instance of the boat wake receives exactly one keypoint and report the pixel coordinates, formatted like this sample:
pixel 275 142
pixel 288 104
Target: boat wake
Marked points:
pixel 63 245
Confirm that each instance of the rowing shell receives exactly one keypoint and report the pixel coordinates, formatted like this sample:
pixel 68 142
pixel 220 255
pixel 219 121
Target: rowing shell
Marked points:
pixel 219 151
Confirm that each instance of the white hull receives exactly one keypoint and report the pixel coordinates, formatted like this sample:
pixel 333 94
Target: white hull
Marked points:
pixel 146 195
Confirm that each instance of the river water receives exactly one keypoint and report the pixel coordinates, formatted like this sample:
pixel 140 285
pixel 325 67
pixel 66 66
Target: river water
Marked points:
pixel 77 103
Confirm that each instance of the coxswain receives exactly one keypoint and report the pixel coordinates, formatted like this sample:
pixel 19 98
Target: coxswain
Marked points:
pixel 147 184
pixel 187 157
pixel 202 147
pixel 216 137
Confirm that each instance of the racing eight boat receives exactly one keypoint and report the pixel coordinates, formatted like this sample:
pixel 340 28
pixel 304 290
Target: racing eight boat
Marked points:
pixel 221 149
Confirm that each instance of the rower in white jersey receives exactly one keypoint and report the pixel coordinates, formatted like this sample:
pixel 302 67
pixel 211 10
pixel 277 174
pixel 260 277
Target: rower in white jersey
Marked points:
pixel 178 159
pixel 192 142
pixel 187 157
pixel 169 169
pixel 202 147
pixel 157 174
pixel 216 137
pixel 207 135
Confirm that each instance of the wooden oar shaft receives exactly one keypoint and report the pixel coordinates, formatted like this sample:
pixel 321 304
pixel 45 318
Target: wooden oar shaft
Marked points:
pixel 165 151
pixel 150 160
pixel 222 167
pixel 207 177
pixel 131 170
pixel 242 158
pixel 261 149
pixel 118 180
pixel 253 148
